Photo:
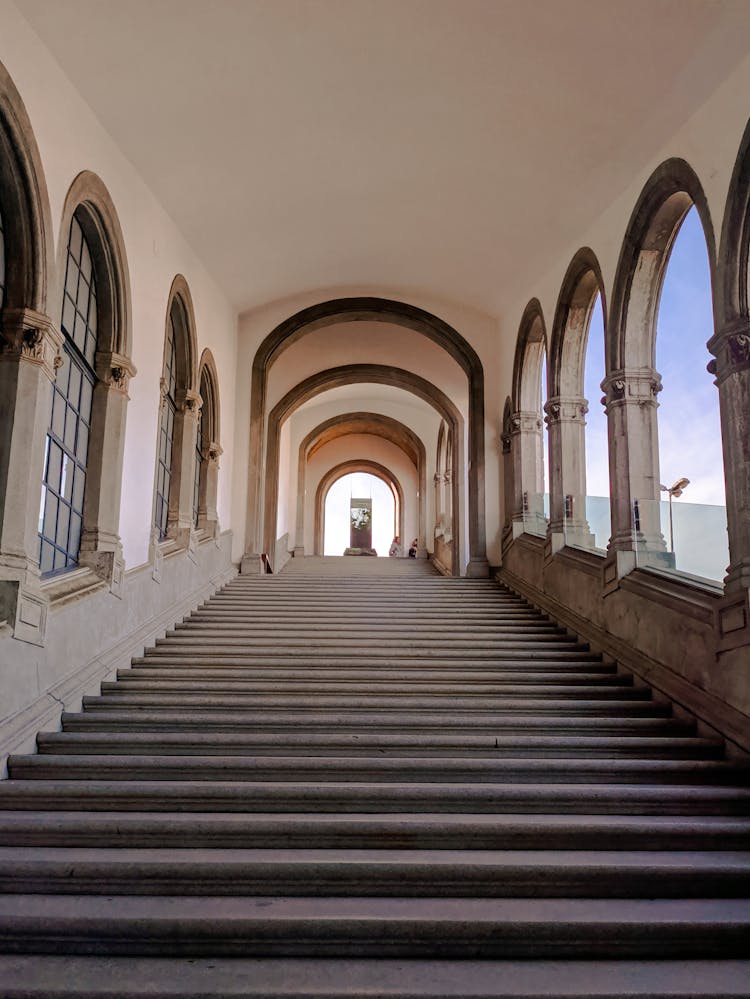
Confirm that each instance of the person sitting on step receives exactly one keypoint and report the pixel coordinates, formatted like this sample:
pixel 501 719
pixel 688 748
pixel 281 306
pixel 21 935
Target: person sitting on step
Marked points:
pixel 395 550
pixel 413 548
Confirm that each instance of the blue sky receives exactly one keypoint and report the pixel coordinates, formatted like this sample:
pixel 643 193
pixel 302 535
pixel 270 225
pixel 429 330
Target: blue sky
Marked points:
pixel 688 414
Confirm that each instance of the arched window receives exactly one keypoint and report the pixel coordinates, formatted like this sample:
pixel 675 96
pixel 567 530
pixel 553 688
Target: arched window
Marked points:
pixel 2 260
pixel 528 446
pixel 689 426
pixel 175 490
pixel 641 499
pixel 207 450
pixel 66 455
pixel 578 448
pixel 166 429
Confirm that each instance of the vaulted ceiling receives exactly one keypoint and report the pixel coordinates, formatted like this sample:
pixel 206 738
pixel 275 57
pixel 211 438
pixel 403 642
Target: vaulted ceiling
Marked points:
pixel 452 147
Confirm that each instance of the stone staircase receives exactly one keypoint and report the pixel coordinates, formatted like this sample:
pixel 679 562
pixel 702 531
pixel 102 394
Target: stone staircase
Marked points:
pixel 358 778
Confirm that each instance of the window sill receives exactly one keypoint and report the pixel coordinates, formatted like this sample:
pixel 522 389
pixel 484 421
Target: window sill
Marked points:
pixel 72 585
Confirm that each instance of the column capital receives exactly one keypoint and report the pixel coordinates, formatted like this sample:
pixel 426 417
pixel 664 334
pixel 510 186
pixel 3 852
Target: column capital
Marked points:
pixel 115 370
pixel 566 409
pixel 631 386
pixel 731 349
pixel 214 451
pixel 31 336
pixel 525 421
pixel 192 403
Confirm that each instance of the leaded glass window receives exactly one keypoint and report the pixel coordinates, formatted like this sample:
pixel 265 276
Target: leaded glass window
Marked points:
pixel 166 431
pixel 198 466
pixel 66 451
pixel 2 262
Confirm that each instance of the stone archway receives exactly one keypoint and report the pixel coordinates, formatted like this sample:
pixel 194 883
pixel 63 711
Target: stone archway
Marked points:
pixel 345 468
pixel 373 310
pixel 377 424
pixel 322 381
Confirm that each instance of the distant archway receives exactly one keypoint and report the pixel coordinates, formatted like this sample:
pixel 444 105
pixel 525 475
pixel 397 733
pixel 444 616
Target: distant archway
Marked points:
pixel 345 468
pixel 377 424
pixel 373 310
pixel 322 381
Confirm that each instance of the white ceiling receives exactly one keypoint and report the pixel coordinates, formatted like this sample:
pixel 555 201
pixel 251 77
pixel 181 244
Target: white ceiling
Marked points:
pixel 445 146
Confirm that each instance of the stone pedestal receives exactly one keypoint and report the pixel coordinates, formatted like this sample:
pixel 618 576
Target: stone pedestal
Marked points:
pixel 29 355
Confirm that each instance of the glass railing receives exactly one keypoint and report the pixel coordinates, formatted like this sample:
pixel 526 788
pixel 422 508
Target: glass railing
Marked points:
pixel 690 539
pixel 587 524
pixel 536 513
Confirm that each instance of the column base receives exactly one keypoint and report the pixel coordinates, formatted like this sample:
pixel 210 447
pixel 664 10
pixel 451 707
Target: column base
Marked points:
pixel 252 564
pixel 24 610
pixel 478 568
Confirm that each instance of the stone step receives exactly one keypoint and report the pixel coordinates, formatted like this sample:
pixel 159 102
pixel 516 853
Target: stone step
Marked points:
pixel 578 700
pixel 381 873
pixel 288 796
pixel 342 831
pixel 360 645
pixel 360 630
pixel 375 660
pixel 48 977
pixel 213 680
pixel 145 668
pixel 351 710
pixel 268 691
pixel 489 723
pixel 401 770
pixel 415 744
pixel 382 927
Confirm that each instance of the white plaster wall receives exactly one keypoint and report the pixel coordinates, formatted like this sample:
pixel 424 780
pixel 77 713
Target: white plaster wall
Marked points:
pixel 70 140
pixel 355 447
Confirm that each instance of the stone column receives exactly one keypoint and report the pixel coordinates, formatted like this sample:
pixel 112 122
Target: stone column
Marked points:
pixel 448 505
pixel 438 481
pixel 731 348
pixel 208 517
pixel 630 401
pixel 101 549
pixel 566 420
pixel 29 356
pixel 180 528
pixel 528 472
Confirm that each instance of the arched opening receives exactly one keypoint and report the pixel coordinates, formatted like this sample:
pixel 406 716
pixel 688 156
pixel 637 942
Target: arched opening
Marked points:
pixel 527 423
pixel 577 425
pixel 367 424
pixel 82 479
pixel 689 426
pixel 179 416
pixel 346 483
pixel 207 449
pixel 379 310
pixel 640 520
pixel 346 375
pixel 731 367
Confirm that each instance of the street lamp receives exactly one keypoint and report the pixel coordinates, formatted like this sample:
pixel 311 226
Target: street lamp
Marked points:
pixel 675 490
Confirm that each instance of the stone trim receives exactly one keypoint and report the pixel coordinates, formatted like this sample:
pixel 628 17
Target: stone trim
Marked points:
pixel 24 202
